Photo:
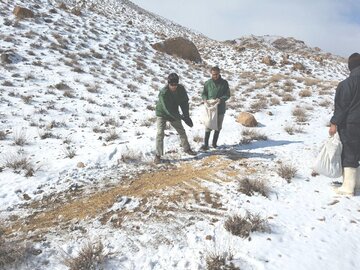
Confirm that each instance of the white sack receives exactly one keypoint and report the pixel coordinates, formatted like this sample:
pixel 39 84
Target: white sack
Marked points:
pixel 210 115
pixel 328 162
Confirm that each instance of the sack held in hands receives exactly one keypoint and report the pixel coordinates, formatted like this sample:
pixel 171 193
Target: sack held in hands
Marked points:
pixel 328 162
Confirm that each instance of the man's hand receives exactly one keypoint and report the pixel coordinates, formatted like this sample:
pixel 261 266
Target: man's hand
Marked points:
pixel 332 129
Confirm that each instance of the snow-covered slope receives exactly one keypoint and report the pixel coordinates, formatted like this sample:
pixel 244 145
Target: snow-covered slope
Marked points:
pixel 78 86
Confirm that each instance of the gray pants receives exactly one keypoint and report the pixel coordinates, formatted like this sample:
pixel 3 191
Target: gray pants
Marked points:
pixel 220 122
pixel 161 125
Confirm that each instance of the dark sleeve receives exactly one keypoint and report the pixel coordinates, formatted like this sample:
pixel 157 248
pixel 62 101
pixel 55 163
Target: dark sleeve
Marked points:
pixel 185 104
pixel 342 103
pixel 185 109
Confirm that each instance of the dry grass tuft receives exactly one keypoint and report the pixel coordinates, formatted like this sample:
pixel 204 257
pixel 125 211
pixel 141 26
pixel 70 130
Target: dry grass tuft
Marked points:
pixel 20 137
pixel 305 93
pixel 69 152
pixel 287 97
pixel 250 135
pixel 300 114
pixel 259 105
pixel 20 163
pixel 250 187
pixel 216 261
pixel 12 253
pixel 131 156
pixel 291 130
pixel 112 136
pixel 286 171
pixel 90 257
pixel 243 226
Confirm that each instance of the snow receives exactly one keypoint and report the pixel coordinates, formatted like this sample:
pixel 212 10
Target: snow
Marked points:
pixel 169 216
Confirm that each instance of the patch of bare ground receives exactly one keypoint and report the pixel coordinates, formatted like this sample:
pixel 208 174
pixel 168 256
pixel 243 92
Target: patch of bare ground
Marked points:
pixel 181 189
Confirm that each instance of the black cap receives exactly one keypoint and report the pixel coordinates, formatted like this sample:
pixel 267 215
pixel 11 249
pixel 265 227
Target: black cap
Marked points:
pixel 173 78
pixel 354 61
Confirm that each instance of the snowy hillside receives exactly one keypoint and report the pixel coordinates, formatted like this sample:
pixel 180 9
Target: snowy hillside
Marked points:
pixel 78 87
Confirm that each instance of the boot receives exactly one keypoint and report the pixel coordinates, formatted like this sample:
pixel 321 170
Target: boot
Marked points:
pixel 349 181
pixel 157 159
pixel 215 138
pixel 205 146
pixel 357 184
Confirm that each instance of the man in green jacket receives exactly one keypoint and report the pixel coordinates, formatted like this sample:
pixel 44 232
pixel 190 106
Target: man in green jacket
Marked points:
pixel 171 97
pixel 216 88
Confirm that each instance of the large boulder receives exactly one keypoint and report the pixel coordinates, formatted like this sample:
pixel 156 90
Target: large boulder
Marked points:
pixel 22 13
pixel 246 119
pixel 180 47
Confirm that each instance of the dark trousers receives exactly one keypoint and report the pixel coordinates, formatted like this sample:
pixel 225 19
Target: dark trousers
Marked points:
pixel 350 139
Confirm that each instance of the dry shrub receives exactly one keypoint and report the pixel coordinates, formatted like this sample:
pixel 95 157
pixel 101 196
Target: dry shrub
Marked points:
pixel 250 135
pixel 131 156
pixel 286 171
pixel 12 253
pixel 310 81
pixel 2 135
pixel 19 163
pixel 259 105
pixel 62 86
pixel 305 93
pixel 291 130
pixel 300 114
pixel 69 152
pixel 325 103
pixel 274 101
pixel 20 137
pixel 91 257
pixel 250 187
pixel 216 261
pixel 26 99
pixel 287 97
pixel 69 94
pixel 276 78
pixel 243 226
pixel 112 136
pixel 325 92
pixel 111 121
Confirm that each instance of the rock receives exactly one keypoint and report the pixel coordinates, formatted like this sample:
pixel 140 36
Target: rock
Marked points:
pixel 268 61
pixel 22 13
pixel 80 165
pixel 26 197
pixel 298 66
pixel 180 47
pixel 246 119
pixel 10 57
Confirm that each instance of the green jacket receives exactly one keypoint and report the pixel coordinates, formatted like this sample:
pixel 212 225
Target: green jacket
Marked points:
pixel 169 102
pixel 217 89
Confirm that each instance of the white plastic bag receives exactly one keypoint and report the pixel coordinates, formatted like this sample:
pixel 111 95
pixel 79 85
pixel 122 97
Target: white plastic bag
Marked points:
pixel 328 162
pixel 211 114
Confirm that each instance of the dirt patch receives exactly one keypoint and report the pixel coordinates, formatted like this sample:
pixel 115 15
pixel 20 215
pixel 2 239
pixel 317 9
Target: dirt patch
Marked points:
pixel 176 185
